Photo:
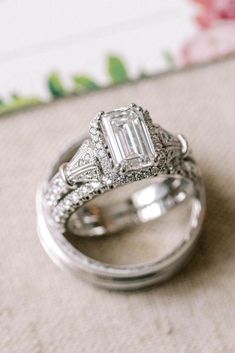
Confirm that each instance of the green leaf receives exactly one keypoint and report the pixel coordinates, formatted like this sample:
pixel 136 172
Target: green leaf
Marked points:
pixel 15 95
pixel 84 84
pixel 19 102
pixel 56 86
pixel 169 58
pixel 117 70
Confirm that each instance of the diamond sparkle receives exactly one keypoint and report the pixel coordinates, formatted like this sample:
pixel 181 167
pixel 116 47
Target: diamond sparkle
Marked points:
pixel 128 138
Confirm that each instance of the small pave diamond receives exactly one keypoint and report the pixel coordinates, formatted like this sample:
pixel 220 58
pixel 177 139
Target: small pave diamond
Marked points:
pixel 128 138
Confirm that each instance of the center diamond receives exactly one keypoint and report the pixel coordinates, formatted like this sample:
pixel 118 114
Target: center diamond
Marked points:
pixel 128 138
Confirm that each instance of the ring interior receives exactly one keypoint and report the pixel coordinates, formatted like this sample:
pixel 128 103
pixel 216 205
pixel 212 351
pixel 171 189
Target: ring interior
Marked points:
pixel 114 213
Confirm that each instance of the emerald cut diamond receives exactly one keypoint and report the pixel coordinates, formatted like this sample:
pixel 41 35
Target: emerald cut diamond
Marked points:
pixel 128 138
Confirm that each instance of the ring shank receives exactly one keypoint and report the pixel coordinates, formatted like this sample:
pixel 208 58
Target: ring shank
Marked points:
pixel 142 205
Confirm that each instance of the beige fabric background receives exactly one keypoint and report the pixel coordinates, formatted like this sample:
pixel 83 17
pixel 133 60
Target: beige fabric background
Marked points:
pixel 43 309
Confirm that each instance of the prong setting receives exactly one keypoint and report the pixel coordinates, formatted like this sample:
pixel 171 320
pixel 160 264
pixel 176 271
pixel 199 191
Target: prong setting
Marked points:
pixel 184 144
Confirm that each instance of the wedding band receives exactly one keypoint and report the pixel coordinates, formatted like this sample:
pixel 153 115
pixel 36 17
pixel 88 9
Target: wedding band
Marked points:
pixel 124 146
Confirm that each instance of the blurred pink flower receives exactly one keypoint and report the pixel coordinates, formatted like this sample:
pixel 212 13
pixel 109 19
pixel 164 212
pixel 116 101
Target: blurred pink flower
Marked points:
pixel 213 10
pixel 214 42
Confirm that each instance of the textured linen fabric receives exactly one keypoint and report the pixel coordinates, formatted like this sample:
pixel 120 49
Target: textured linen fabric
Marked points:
pixel 43 309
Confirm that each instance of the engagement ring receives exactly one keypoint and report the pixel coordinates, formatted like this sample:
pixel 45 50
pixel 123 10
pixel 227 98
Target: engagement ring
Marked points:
pixel 124 147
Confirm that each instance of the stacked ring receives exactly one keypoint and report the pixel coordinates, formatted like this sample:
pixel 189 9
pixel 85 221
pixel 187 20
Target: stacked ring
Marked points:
pixel 123 147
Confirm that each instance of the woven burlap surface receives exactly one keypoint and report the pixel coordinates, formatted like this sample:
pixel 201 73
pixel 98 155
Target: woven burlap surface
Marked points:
pixel 45 310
